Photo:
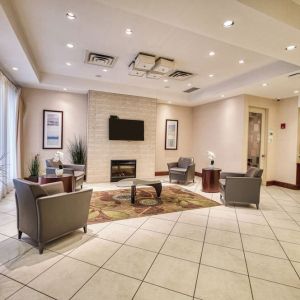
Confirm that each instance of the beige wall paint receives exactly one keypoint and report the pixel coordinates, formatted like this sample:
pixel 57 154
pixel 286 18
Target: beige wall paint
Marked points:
pixel 219 127
pixel 185 136
pixel 74 107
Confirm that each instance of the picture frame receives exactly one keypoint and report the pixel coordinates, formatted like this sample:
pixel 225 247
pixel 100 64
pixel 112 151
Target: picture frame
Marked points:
pixel 53 129
pixel 171 135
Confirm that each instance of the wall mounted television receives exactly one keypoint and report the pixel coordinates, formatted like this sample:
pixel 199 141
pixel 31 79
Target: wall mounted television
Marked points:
pixel 125 130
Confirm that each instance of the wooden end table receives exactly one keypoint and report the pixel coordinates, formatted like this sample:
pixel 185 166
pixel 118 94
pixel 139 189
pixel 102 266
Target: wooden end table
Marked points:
pixel 210 180
pixel 67 180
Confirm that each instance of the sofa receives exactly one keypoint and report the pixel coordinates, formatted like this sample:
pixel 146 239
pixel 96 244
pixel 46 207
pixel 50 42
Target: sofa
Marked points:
pixel 77 171
pixel 183 170
pixel 46 212
pixel 241 187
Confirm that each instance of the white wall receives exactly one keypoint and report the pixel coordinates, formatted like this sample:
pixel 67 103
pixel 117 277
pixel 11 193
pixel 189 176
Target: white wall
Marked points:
pixel 219 127
pixel 185 136
pixel 74 107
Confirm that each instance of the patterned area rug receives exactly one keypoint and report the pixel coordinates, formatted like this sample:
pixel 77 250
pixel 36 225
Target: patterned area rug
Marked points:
pixel 115 205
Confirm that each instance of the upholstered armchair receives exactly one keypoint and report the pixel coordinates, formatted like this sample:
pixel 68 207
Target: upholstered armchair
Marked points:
pixel 241 187
pixel 78 171
pixel 183 170
pixel 45 212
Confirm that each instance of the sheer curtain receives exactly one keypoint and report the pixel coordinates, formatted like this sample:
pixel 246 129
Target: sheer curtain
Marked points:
pixel 9 103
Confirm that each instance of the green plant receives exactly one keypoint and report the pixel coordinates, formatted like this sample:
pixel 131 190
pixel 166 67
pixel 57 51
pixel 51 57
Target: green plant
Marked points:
pixel 34 166
pixel 77 150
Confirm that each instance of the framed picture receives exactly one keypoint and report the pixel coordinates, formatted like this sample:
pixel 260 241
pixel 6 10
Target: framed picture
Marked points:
pixel 52 129
pixel 171 136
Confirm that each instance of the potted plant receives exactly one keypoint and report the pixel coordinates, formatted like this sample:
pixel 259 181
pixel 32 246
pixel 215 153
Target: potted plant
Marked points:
pixel 34 169
pixel 77 150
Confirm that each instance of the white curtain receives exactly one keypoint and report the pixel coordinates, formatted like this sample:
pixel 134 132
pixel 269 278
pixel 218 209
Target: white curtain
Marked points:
pixel 9 103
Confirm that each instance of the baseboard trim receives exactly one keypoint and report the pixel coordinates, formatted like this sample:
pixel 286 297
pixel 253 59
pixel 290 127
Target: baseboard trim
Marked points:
pixel 283 184
pixel 163 173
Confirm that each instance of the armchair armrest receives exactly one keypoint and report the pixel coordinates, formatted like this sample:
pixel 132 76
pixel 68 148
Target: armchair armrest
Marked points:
pixel 224 175
pixel 53 188
pixel 61 213
pixel 172 165
pixel 75 167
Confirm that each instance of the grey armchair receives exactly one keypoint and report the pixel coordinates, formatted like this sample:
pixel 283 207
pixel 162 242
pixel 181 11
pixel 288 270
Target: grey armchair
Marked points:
pixel 45 212
pixel 183 170
pixel 78 171
pixel 241 187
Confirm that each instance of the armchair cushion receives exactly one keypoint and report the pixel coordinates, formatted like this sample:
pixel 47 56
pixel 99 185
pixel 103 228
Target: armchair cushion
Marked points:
pixel 53 164
pixel 178 170
pixel 184 162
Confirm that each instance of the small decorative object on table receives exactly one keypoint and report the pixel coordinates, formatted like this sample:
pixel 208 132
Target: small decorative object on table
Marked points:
pixel 211 157
pixel 58 156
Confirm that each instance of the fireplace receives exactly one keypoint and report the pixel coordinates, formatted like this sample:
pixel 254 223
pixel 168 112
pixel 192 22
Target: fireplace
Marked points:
pixel 121 169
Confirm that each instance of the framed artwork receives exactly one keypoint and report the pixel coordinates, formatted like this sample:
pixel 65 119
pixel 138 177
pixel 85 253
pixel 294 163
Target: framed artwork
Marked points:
pixel 171 136
pixel 52 129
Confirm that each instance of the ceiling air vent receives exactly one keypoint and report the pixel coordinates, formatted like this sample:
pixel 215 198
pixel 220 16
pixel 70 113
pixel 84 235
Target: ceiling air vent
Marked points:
pixel 180 75
pixel 295 74
pixel 102 60
pixel 190 90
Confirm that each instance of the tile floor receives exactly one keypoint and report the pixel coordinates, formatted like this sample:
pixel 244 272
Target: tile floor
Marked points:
pixel 210 254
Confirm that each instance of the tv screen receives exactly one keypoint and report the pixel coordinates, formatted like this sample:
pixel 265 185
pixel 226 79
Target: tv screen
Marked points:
pixel 126 130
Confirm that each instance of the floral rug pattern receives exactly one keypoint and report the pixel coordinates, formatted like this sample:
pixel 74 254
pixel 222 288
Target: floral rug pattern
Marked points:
pixel 115 205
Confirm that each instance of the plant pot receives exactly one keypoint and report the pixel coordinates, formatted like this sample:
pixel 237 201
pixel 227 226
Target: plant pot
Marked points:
pixel 32 178
pixel 59 172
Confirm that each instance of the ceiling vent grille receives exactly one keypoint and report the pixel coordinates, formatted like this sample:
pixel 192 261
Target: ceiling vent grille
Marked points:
pixel 102 60
pixel 180 75
pixel 190 90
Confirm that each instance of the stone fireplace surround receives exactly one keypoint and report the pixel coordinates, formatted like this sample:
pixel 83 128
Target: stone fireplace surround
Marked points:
pixel 101 150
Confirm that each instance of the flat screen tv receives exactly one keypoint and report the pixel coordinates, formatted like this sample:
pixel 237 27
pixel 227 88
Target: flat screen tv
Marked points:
pixel 125 130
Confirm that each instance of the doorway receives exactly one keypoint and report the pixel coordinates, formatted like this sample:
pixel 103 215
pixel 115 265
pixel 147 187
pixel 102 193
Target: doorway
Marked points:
pixel 256 156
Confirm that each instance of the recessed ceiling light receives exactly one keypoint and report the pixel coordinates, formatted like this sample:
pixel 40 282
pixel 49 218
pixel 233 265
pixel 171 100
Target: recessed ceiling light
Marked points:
pixel 290 47
pixel 70 15
pixel 129 31
pixel 228 23
pixel 15 68
pixel 296 92
pixel 264 84
pixel 104 70
pixel 68 64
pixel 211 53
pixel 211 75
pixel 189 84
pixel 65 89
pixel 165 80
pixel 241 61
pixel 69 45
pixel 222 96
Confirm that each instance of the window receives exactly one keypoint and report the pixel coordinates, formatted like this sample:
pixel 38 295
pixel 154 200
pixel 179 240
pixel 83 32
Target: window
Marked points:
pixel 9 100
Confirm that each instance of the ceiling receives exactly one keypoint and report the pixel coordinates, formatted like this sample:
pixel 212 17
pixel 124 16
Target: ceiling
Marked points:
pixel 34 34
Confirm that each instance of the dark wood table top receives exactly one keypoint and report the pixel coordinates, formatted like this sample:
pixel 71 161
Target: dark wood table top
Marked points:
pixel 54 176
pixel 212 169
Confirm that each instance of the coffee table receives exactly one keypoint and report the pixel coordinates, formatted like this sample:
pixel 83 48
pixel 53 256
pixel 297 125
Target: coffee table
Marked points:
pixel 134 182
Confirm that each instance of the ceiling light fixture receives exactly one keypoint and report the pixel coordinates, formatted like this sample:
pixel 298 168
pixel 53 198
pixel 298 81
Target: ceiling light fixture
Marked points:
pixel 104 70
pixel 241 61
pixel 296 92
pixel 211 75
pixel 129 31
pixel 228 23
pixel 290 47
pixel 65 89
pixel 264 84
pixel 68 64
pixel 15 68
pixel 211 53
pixel 70 15
pixel 69 45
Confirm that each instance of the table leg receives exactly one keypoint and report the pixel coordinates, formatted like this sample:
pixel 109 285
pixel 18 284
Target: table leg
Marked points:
pixel 133 194
pixel 158 188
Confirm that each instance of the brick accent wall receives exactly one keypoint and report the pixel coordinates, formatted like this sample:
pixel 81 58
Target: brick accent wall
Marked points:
pixel 101 150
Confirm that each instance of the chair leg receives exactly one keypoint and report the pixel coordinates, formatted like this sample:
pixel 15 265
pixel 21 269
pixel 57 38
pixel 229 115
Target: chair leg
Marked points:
pixel 41 248
pixel 85 228
pixel 19 234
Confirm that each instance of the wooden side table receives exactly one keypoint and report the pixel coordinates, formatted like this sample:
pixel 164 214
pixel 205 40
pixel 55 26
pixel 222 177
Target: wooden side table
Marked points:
pixel 210 180
pixel 66 179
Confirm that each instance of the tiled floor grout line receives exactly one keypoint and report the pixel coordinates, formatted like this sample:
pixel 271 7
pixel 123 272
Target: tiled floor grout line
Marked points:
pixel 198 271
pixel 243 249
pixel 285 251
pixel 158 252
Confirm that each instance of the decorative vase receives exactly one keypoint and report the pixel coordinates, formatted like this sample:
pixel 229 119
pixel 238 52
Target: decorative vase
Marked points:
pixel 59 172
pixel 212 162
